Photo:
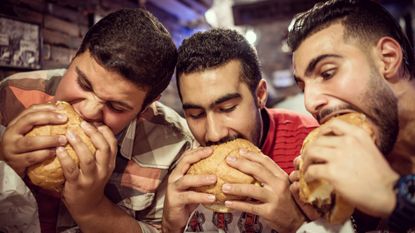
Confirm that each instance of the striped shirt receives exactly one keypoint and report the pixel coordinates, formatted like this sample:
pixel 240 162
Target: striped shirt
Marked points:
pixel 148 147
pixel 285 137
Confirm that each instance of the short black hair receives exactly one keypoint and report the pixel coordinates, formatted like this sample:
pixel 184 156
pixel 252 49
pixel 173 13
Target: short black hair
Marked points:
pixel 133 43
pixel 217 47
pixel 365 20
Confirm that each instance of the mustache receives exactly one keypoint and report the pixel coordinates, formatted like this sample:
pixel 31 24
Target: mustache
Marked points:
pixel 325 112
pixel 223 140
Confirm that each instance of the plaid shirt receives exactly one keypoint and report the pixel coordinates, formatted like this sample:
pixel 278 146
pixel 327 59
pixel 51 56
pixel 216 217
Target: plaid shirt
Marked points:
pixel 148 148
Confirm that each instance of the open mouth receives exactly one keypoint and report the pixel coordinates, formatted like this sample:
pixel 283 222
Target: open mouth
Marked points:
pixel 335 114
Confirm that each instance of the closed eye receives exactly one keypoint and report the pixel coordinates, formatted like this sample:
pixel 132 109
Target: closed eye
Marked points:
pixel 230 109
pixel 194 113
pixel 115 108
pixel 84 84
pixel 196 116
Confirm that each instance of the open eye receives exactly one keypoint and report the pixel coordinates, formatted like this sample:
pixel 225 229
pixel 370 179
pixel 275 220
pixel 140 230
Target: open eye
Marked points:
pixel 328 74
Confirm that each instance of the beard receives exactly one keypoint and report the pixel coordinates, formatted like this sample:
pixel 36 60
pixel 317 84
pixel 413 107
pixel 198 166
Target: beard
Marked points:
pixel 381 106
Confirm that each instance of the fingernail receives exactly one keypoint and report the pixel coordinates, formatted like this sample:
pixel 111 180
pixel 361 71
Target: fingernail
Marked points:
pixel 231 159
pixel 59 152
pixel 71 136
pixel 242 151
pixel 61 116
pixel 85 125
pixel 211 197
pixel 60 106
pixel 211 178
pixel 226 188
pixel 228 203
pixel 62 140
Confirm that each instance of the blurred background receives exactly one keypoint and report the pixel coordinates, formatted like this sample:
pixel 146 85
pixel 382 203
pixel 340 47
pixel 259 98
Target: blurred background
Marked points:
pixel 45 34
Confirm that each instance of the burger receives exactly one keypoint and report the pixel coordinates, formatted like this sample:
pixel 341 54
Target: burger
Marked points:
pixel 48 174
pixel 215 164
pixel 320 193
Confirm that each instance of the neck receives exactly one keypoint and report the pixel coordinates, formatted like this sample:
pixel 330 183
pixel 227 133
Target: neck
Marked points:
pixel 264 127
pixel 402 157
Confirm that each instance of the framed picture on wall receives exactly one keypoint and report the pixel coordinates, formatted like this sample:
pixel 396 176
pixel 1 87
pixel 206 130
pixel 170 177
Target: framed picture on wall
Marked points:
pixel 19 44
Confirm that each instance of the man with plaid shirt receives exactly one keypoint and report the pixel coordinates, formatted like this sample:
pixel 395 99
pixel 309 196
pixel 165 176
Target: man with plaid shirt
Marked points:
pixel 125 61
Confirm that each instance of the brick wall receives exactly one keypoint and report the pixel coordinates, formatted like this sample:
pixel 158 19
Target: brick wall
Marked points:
pixel 62 23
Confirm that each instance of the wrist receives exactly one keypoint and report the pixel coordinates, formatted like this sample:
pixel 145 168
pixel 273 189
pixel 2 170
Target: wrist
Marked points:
pixel 83 213
pixel 168 228
pixel 403 214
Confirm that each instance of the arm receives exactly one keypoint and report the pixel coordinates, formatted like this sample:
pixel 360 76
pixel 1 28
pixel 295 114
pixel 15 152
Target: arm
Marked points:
pixel 180 201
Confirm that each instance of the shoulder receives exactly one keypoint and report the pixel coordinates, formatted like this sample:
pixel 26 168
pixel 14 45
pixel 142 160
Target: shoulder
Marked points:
pixel 293 119
pixel 159 114
pixel 40 80
pixel 21 90
pixel 35 75
pixel 160 136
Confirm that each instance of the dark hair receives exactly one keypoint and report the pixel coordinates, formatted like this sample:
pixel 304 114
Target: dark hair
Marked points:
pixel 217 47
pixel 133 43
pixel 365 20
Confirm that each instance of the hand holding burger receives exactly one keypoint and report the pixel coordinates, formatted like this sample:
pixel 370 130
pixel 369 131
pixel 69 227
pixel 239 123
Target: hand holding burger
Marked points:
pixel 321 193
pixel 216 165
pixel 48 174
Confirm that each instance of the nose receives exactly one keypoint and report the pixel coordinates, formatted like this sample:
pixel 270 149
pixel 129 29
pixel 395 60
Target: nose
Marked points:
pixel 92 109
pixel 215 130
pixel 314 99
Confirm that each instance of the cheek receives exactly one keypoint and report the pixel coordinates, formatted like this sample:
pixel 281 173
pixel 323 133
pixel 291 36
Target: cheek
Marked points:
pixel 197 129
pixel 117 122
pixel 69 90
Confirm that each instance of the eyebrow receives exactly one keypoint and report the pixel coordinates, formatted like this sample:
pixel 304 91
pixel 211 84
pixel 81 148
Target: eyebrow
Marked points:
pixel 82 75
pixel 216 102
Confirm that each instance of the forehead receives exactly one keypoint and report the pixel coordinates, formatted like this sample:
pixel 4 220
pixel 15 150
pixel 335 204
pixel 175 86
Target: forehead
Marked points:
pixel 107 84
pixel 326 41
pixel 210 84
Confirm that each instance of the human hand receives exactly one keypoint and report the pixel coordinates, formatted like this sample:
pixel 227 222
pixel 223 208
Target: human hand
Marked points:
pixel 84 185
pixel 347 157
pixel 20 151
pixel 180 200
pixel 272 201
pixel 309 211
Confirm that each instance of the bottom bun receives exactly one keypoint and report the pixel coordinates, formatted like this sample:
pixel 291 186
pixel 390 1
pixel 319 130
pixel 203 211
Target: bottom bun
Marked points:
pixel 220 208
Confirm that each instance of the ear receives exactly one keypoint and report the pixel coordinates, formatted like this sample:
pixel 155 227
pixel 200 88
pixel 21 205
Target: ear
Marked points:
pixel 391 57
pixel 261 93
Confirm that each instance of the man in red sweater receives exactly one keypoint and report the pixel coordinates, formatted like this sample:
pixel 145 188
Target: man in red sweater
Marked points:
pixel 223 96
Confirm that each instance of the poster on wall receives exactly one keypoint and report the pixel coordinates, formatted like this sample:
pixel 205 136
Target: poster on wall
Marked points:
pixel 19 44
